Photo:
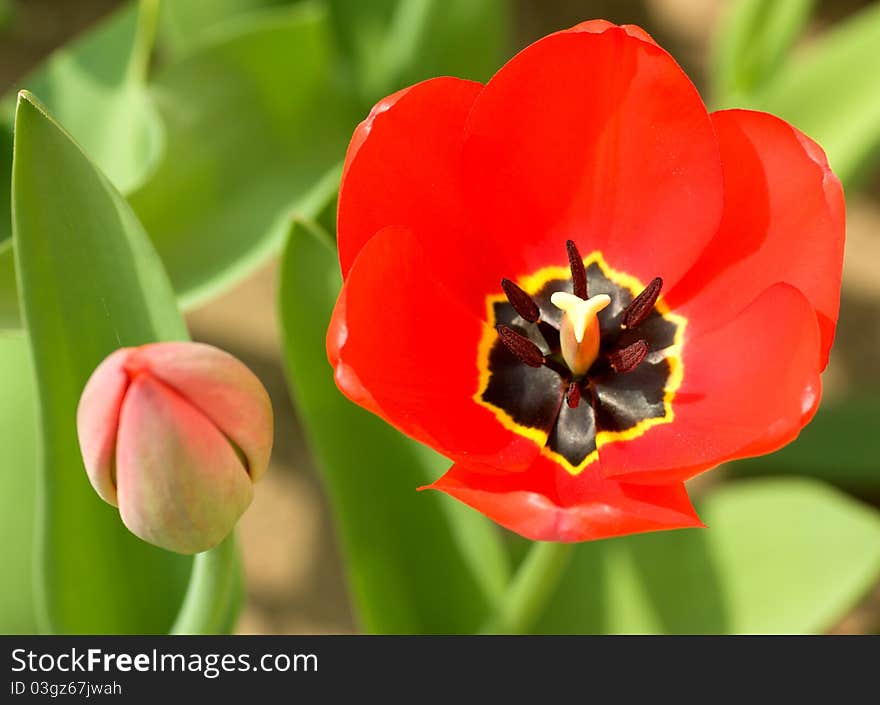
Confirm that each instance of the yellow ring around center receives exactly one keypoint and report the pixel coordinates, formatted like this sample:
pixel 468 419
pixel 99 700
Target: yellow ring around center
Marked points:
pixel 532 284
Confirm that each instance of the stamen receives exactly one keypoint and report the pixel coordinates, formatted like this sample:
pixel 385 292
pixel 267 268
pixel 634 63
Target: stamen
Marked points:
pixel 578 273
pixel 628 358
pixel 573 395
pixel 523 348
pixel 640 307
pixel 522 303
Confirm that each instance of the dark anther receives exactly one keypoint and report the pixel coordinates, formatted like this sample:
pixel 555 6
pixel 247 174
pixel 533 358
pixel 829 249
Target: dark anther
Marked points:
pixel 524 349
pixel 628 358
pixel 573 395
pixel 522 303
pixel 578 273
pixel 641 306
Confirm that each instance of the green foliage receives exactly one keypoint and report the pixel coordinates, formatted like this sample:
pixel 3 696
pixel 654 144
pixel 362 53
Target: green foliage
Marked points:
pixel 18 439
pixel 90 283
pixel 754 40
pixel 833 94
pixel 779 556
pixel 184 21
pixel 10 317
pixel 245 118
pixel 412 565
pixel 840 445
pixel 254 125
pixel 95 87
pixel 828 90
pixel 389 44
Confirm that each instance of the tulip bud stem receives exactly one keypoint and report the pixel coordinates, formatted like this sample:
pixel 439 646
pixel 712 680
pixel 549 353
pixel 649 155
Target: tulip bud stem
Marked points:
pixel 214 594
pixel 531 587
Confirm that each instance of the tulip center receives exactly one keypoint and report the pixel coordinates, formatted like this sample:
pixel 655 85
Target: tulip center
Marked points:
pixel 580 356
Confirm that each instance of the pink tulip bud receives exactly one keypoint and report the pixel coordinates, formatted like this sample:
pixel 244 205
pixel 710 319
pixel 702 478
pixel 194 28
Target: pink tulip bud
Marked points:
pixel 175 435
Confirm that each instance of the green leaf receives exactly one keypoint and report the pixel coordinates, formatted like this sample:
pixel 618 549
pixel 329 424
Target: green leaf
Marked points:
pixel 751 43
pixel 412 567
pixel 247 119
pixel 779 556
pixel 183 22
pixel 18 476
pixel 390 44
pixel 793 555
pixel 255 127
pixel 90 283
pixel 95 87
pixel 833 94
pixel 841 445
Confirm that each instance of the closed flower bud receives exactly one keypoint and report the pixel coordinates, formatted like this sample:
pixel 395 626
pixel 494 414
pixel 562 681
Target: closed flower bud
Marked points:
pixel 175 435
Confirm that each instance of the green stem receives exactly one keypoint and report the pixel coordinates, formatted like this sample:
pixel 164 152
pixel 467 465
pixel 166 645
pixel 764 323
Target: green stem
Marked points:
pixel 213 592
pixel 144 39
pixel 534 583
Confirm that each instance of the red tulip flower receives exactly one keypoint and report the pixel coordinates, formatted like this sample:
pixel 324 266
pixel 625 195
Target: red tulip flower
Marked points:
pixel 581 286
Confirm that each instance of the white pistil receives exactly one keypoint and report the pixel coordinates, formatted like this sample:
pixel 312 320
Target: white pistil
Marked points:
pixel 579 332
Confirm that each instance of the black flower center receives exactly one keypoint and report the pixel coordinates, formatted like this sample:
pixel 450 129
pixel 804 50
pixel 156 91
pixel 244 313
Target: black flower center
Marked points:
pixel 528 381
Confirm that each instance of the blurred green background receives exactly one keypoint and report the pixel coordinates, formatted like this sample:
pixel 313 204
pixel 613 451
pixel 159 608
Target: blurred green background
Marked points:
pixel 815 64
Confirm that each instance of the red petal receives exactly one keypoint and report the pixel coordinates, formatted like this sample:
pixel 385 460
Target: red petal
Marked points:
pixel 413 347
pixel 346 377
pixel 402 166
pixel 748 389
pixel 783 221
pixel 597 137
pixel 546 503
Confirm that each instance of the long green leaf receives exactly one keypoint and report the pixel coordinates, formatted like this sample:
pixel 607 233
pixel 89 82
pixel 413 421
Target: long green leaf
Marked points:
pixel 833 93
pixel 255 124
pixel 779 556
pixel 90 283
pixel 403 554
pixel 18 479
pixel 751 43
